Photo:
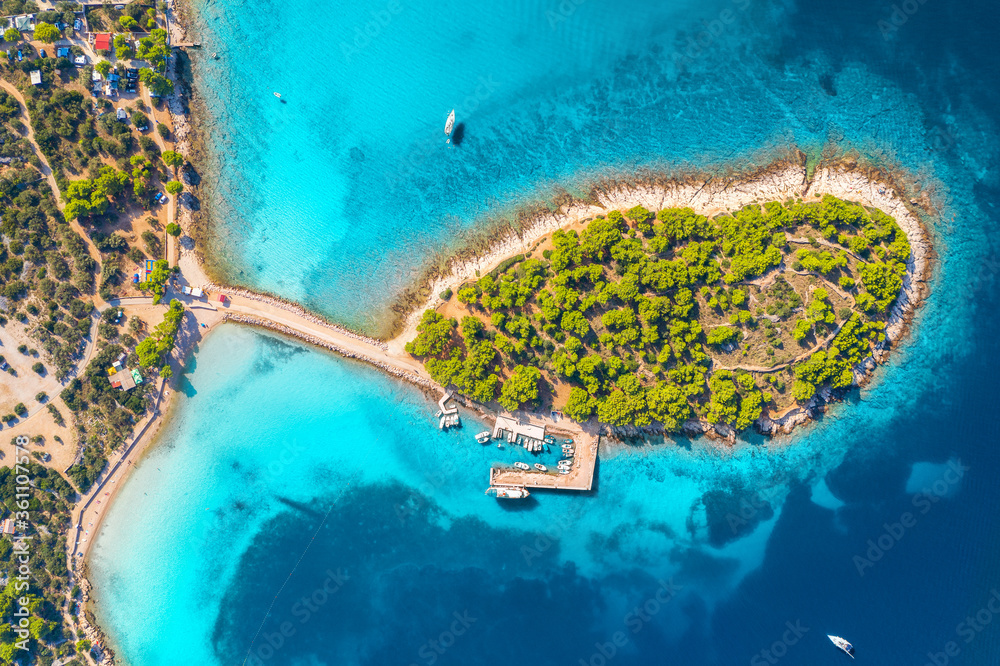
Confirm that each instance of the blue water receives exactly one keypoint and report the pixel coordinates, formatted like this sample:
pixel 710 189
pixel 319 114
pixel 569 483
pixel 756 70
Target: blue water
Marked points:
pixel 288 473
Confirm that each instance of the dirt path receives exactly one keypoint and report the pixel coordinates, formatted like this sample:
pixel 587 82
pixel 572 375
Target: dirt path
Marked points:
pixel 171 242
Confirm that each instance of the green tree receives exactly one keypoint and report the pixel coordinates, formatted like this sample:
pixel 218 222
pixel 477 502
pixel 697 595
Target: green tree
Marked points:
pixel 175 187
pixel 574 322
pixel 622 409
pixel 433 333
pixel 580 405
pixel 174 229
pixel 802 390
pixel 520 387
pixel 46 32
pixel 668 404
pixel 721 335
pixel 172 159
pixel 128 23
pixel 12 35
pixel 156 82
pixel 103 68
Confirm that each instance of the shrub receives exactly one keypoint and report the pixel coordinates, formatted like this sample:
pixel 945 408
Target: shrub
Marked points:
pixel 38 368
pixel 20 409
pixel 175 187
pixel 174 230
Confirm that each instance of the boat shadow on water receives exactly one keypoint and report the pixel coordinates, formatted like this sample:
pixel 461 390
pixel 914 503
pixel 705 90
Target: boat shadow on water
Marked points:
pixel 526 504
pixel 458 134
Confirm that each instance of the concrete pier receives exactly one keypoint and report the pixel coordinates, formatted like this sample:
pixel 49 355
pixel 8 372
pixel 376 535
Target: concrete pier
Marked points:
pixel 580 477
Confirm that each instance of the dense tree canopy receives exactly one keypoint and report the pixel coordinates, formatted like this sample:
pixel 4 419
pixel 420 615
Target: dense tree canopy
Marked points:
pixel 620 311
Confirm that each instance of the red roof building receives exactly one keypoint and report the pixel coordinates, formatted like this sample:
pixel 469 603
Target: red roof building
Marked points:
pixel 102 42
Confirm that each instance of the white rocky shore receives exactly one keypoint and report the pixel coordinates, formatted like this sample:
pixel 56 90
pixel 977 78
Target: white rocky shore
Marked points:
pixel 709 197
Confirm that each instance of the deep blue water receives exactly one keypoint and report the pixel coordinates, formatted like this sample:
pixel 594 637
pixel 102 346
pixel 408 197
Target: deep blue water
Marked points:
pixel 288 473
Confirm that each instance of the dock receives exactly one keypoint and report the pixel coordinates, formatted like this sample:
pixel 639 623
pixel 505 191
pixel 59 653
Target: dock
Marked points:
pixel 580 477
pixel 515 431
pixel 448 416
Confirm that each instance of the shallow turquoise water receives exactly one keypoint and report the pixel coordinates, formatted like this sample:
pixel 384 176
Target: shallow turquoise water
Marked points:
pixel 338 197
pixel 370 500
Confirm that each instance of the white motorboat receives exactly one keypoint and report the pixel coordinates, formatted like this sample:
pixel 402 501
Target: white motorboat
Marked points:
pixel 521 465
pixel 508 492
pixel 842 644
pixel 541 468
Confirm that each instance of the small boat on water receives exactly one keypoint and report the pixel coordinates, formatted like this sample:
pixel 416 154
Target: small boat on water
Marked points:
pixel 521 465
pixel 449 125
pixel 508 492
pixel 483 437
pixel 842 644
pixel 563 471
pixel 278 95
pixel 541 468
pixel 565 463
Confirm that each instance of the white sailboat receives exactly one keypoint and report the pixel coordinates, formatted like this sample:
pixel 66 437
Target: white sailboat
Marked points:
pixel 842 644
pixel 449 125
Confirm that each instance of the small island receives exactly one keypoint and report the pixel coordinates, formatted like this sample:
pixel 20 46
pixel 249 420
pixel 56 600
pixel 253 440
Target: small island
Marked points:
pixel 675 320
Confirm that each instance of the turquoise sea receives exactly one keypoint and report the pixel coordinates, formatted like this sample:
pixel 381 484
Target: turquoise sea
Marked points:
pixel 302 509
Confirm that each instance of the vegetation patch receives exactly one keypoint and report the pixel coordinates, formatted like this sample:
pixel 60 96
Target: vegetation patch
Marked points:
pixel 664 317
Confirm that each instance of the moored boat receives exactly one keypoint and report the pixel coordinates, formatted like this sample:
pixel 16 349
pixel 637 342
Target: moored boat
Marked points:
pixel 483 437
pixel 842 644
pixel 522 466
pixel 541 468
pixel 508 492
pixel 449 124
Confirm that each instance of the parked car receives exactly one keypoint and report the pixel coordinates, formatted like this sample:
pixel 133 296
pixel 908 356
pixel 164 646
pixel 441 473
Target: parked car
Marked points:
pixel 20 56
pixel 41 54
